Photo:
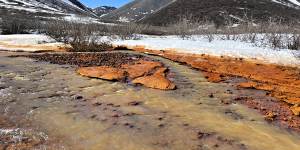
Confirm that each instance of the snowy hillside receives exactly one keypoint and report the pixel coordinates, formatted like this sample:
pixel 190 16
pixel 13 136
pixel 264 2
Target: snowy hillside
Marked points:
pixel 103 10
pixel 136 10
pixel 219 11
pixel 43 8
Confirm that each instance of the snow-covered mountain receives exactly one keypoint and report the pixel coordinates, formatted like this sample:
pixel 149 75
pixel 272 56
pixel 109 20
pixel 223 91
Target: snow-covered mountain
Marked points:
pixel 220 11
pixel 136 10
pixel 290 3
pixel 43 8
pixel 103 10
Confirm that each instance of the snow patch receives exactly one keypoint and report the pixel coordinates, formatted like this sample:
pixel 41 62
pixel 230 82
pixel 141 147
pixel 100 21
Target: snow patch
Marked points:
pixel 70 3
pixel 26 39
pixel 200 45
pixel 28 42
pixel 123 19
pixel 295 2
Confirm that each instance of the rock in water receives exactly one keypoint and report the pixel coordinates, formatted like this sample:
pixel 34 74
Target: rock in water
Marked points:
pixel 296 110
pixel 148 73
pixel 102 72
pixel 157 81
pixel 140 68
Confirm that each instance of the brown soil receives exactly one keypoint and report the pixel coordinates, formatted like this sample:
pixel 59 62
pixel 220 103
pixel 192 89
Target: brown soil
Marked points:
pixel 281 82
pixel 88 59
pixel 114 67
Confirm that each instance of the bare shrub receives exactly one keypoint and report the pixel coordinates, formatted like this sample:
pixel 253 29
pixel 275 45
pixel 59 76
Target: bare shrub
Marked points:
pixel 294 42
pixel 182 28
pixel 154 30
pixel 275 40
pixel 82 37
pixel 58 30
pixel 210 37
pixel 128 31
pixel 15 26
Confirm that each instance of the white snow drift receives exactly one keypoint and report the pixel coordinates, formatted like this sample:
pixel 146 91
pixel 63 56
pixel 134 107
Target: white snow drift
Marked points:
pixel 196 45
pixel 27 42
pixel 200 45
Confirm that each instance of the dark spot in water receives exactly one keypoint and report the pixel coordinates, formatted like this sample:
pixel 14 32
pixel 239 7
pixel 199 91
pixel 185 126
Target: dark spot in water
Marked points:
pixel 130 114
pixel 161 125
pixel 78 97
pixel 72 112
pixel 129 125
pixel 93 116
pixel 229 92
pixel 34 107
pixel 134 103
pixel 201 135
pixel 233 114
pixel 185 124
pixel 115 115
pixel 97 104
pixel 226 101
pixel 110 104
pixel 160 118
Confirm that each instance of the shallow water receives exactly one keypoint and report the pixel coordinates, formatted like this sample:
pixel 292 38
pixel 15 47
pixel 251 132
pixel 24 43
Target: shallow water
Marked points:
pixel 47 98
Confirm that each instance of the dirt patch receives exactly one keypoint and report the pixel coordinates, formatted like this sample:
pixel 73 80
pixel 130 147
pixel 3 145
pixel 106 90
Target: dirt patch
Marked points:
pixel 88 59
pixel 281 82
pixel 114 66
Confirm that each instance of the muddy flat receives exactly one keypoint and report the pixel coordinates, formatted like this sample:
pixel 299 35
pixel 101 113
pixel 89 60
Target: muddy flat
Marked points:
pixel 45 104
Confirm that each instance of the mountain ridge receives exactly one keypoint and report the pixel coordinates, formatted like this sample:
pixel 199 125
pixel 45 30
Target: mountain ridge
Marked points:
pixel 218 11
pixel 103 10
pixel 136 10
pixel 43 9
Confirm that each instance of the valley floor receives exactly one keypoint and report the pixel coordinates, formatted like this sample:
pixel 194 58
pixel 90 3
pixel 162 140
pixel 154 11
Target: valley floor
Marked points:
pixel 229 102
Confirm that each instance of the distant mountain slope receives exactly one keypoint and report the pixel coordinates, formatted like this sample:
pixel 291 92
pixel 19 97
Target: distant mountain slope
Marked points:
pixel 103 10
pixel 136 10
pixel 220 10
pixel 43 8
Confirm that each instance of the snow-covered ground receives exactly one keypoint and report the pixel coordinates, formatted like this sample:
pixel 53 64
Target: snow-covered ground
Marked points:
pixel 200 45
pixel 28 42
pixel 195 45
pixel 295 2
pixel 79 19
